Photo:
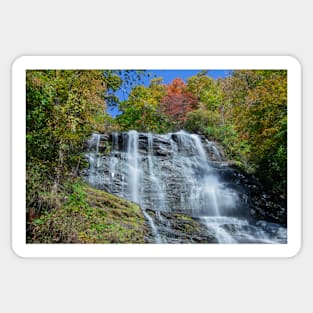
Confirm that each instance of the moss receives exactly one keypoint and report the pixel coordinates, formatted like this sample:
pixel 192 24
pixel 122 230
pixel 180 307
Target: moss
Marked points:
pixel 183 217
pixel 90 216
pixel 189 228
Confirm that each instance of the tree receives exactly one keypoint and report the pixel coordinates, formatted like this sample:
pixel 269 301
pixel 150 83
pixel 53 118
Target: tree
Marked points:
pixel 206 90
pixel 63 108
pixel 178 102
pixel 256 104
pixel 142 110
pixel 121 80
pixel 207 118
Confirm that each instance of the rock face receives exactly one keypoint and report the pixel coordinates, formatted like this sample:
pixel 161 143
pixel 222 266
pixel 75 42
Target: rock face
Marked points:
pixel 182 180
pixel 180 228
pixel 262 204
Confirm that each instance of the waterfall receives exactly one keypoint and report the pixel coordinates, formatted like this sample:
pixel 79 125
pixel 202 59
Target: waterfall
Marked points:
pixel 134 178
pixel 134 170
pixel 174 172
pixel 155 180
pixel 94 177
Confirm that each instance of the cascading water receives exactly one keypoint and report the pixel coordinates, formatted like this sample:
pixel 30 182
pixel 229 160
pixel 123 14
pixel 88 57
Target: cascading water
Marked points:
pixel 174 172
pixel 134 178
pixel 134 170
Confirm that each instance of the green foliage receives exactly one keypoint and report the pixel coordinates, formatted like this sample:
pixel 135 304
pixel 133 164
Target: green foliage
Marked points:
pixel 37 183
pixel 206 89
pixel 142 110
pixel 247 114
pixel 89 216
pixel 256 106
pixel 120 80
pixel 63 109
pixel 203 121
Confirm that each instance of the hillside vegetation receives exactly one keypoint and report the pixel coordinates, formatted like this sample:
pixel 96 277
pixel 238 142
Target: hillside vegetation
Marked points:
pixel 89 215
pixel 246 112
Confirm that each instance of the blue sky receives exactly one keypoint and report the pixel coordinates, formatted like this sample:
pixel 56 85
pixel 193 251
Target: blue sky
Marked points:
pixel 168 76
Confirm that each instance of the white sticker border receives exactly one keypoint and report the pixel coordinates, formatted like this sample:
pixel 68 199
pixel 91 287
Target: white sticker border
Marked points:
pixel 22 249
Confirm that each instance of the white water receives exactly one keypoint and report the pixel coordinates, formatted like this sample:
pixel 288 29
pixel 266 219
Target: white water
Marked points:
pixel 134 170
pixel 155 180
pixel 235 230
pixel 134 178
pixel 173 172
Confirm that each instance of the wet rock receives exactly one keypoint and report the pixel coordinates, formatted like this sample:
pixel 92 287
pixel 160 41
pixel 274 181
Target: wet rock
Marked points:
pixel 263 203
pixel 162 152
pixel 180 228
pixel 171 173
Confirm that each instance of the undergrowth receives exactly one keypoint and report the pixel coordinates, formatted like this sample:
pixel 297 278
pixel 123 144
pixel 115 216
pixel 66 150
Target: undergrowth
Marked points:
pixel 89 216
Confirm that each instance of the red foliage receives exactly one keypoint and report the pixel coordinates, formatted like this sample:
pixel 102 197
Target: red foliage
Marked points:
pixel 178 102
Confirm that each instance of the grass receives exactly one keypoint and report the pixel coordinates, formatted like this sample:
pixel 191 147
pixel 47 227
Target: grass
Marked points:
pixel 89 215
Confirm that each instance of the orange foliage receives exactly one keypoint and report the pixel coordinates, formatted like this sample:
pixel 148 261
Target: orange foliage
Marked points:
pixel 178 101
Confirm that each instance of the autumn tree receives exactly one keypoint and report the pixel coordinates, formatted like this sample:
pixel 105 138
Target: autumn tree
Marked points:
pixel 256 104
pixel 178 101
